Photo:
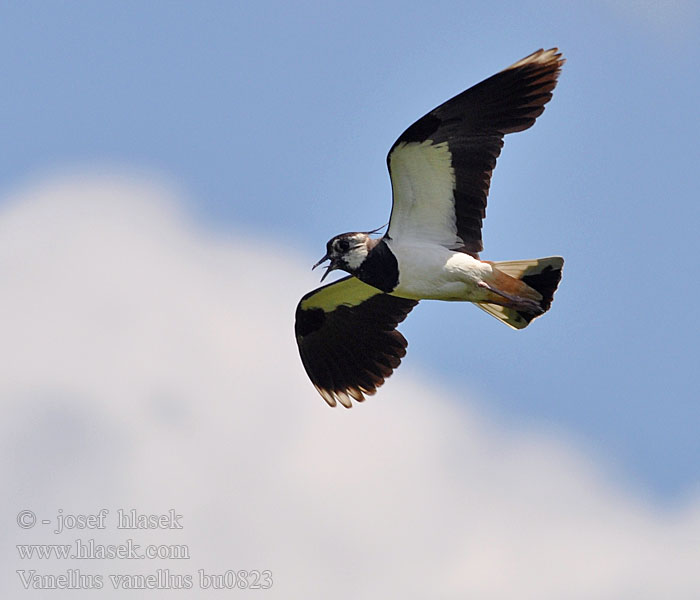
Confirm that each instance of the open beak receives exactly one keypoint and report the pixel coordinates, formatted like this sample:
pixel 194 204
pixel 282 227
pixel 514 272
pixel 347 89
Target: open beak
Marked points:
pixel 329 268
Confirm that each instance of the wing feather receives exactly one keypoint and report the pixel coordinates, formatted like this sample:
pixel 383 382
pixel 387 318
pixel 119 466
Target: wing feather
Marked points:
pixel 441 166
pixel 347 338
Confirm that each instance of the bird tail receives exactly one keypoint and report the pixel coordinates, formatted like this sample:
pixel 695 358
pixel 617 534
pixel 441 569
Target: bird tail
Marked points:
pixel 534 280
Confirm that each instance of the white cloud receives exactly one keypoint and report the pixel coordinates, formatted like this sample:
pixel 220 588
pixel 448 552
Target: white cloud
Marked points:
pixel 149 364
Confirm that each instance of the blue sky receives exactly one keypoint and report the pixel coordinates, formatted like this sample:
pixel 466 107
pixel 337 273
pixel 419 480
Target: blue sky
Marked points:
pixel 275 119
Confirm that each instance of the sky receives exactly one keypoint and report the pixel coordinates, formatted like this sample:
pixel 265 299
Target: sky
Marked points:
pixel 168 176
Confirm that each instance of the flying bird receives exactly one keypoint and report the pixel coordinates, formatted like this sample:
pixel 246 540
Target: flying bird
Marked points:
pixel 440 170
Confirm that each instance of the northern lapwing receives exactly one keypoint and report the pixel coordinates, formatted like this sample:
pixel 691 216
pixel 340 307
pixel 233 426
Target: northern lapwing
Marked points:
pixel 440 170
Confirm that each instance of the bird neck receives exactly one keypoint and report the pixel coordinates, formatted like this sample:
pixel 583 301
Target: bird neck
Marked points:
pixel 380 269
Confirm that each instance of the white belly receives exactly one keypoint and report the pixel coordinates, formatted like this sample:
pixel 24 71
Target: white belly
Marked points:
pixel 432 272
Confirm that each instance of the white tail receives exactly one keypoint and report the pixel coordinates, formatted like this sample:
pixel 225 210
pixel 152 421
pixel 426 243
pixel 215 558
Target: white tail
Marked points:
pixel 541 275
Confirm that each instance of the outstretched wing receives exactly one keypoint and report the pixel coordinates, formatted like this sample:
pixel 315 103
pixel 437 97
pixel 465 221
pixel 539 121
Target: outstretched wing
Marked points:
pixel 347 338
pixel 441 165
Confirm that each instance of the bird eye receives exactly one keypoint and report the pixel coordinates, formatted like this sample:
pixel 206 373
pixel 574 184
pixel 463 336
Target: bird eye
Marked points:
pixel 342 245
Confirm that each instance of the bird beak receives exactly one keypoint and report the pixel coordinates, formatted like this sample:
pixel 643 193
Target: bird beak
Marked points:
pixel 325 258
pixel 329 268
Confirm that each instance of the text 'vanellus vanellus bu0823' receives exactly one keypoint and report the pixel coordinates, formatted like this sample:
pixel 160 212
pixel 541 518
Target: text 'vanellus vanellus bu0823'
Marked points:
pixel 440 170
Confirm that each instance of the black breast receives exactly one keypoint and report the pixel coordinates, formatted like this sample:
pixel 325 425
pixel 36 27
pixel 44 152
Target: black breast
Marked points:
pixel 380 269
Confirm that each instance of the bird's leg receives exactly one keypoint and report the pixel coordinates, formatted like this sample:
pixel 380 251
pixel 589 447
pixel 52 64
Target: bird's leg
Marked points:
pixel 515 302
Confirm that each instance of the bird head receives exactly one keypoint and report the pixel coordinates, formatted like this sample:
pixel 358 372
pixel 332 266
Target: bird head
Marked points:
pixel 346 252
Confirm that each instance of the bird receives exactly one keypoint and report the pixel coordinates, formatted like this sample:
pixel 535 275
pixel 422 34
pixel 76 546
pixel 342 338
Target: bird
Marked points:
pixel 440 170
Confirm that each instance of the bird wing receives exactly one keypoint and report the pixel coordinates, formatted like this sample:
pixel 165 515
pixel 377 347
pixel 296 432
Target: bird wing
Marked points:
pixel 347 338
pixel 441 166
